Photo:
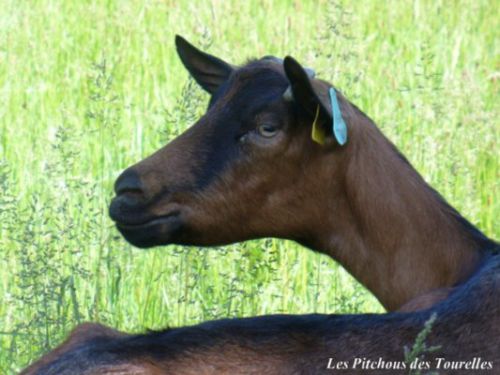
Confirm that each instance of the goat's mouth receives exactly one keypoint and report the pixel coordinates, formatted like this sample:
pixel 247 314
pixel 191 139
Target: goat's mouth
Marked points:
pixel 154 232
pixel 143 230
pixel 144 225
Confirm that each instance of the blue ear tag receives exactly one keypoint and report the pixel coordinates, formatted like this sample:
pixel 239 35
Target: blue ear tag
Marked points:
pixel 339 126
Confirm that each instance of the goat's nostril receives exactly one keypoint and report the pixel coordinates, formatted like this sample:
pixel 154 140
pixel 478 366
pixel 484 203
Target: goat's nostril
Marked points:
pixel 129 182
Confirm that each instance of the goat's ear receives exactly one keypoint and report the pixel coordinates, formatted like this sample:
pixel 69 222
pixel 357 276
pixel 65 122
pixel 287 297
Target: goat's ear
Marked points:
pixel 209 71
pixel 315 97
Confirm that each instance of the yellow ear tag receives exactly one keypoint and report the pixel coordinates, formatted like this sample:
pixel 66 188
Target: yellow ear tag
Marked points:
pixel 318 133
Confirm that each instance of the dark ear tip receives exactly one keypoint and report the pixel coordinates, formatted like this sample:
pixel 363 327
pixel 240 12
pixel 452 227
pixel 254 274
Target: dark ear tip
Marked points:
pixel 288 64
pixel 289 60
pixel 293 68
pixel 179 41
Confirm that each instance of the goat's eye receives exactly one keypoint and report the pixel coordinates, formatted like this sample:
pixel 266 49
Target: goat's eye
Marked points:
pixel 267 130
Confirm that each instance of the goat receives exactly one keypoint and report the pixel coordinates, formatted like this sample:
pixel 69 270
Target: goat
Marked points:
pixel 265 161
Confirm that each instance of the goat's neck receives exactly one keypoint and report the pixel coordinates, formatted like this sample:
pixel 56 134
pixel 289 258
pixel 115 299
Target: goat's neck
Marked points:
pixel 389 229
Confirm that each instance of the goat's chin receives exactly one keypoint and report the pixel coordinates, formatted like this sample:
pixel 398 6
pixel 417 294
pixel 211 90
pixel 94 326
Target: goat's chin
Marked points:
pixel 178 229
pixel 162 231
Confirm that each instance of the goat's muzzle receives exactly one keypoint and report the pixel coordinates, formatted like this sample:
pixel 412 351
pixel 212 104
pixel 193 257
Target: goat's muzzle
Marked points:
pixel 130 210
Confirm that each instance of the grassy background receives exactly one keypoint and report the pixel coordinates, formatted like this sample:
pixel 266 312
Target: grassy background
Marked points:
pixel 89 87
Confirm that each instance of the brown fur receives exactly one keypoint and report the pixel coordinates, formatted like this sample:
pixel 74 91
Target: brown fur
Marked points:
pixel 427 300
pixel 80 335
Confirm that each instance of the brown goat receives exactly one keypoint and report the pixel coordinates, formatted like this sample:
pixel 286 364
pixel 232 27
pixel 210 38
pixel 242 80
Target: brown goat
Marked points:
pixel 249 169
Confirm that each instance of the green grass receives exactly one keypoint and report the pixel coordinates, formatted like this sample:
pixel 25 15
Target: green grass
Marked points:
pixel 88 88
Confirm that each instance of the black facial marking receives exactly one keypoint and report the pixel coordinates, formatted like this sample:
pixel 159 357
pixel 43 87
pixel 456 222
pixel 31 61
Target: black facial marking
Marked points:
pixel 232 111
